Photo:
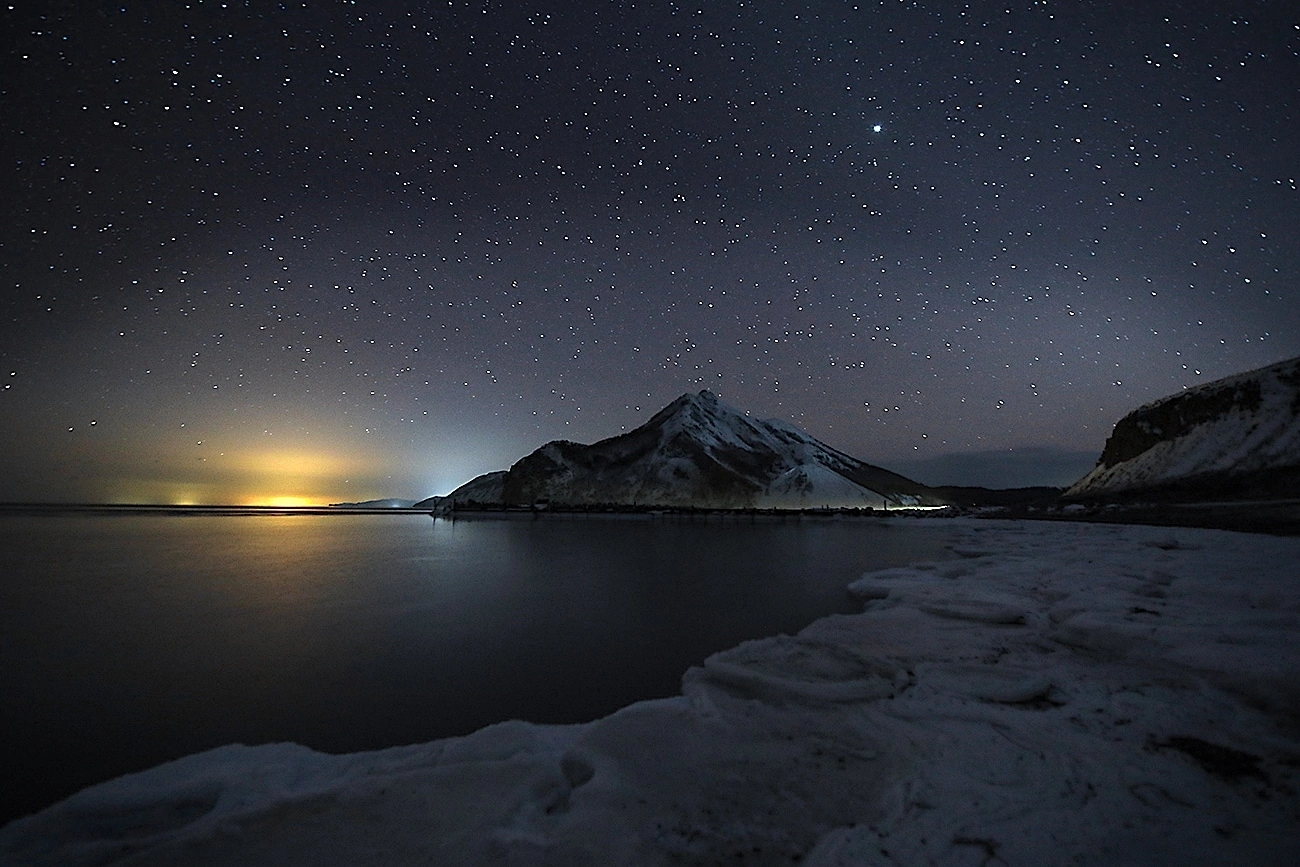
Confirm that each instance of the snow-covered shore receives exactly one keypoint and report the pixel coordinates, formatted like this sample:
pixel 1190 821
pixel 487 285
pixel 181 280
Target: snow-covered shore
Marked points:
pixel 1059 694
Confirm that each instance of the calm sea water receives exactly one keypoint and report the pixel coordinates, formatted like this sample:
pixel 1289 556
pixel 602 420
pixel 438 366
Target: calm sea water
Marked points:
pixel 130 640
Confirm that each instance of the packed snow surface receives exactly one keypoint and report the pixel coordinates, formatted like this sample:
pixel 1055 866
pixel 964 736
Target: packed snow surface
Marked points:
pixel 1058 694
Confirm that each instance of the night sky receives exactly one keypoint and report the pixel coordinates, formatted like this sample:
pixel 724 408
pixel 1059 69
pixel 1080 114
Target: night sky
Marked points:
pixel 261 252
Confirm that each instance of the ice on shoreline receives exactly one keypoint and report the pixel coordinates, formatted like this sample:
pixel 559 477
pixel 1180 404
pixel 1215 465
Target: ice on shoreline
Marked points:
pixel 1060 694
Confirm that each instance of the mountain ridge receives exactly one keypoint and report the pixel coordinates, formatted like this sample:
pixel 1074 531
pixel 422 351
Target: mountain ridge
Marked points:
pixel 698 452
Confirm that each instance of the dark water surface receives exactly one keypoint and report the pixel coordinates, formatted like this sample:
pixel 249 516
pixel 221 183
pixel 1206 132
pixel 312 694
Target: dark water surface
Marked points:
pixel 129 640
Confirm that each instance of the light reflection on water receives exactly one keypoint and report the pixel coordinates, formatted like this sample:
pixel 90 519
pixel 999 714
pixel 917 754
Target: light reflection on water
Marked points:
pixel 129 640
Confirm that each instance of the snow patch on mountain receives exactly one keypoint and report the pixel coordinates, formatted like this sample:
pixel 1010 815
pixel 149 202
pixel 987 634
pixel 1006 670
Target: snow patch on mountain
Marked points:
pixel 813 485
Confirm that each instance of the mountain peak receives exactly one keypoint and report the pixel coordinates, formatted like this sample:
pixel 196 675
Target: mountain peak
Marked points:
pixel 699 451
pixel 694 409
pixel 702 398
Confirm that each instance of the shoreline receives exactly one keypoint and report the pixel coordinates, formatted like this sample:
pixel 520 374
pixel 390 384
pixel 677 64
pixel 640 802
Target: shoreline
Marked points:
pixel 1059 692
pixel 1276 517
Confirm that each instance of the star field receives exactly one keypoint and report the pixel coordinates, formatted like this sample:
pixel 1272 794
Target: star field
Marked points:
pixel 349 250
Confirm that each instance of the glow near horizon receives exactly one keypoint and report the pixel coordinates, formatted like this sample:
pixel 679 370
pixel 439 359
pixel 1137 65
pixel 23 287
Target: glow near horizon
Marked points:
pixel 255 477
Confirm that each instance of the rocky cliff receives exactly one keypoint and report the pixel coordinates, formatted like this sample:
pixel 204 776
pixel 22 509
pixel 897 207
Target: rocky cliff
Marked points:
pixel 1235 437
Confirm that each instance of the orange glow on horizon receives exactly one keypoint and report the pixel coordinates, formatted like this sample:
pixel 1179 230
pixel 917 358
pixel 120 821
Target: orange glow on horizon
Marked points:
pixel 282 502
pixel 282 478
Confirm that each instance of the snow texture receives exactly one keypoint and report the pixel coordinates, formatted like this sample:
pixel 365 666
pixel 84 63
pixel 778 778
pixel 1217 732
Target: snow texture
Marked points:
pixel 1058 694
pixel 1242 424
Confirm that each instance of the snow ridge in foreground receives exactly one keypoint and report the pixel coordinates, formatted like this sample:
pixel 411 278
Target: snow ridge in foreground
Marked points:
pixel 1059 694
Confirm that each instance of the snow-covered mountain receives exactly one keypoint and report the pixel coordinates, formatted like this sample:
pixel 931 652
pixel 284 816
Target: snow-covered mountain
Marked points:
pixel 698 451
pixel 1238 436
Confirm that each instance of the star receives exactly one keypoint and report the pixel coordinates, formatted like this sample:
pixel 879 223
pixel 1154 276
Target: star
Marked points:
pixel 540 233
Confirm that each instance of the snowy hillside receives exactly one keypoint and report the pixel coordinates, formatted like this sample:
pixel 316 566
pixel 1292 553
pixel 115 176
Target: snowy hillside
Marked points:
pixel 698 451
pixel 1059 694
pixel 1240 430
pixel 481 489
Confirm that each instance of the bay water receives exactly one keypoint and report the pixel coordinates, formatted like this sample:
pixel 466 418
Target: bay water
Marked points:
pixel 128 640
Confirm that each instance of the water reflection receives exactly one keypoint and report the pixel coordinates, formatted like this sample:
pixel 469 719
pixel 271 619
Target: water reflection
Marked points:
pixel 348 632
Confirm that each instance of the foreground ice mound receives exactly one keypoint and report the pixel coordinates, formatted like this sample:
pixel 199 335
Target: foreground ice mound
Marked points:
pixel 1058 694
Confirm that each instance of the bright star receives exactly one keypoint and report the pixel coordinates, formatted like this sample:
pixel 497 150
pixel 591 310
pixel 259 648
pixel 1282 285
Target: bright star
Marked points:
pixel 877 128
